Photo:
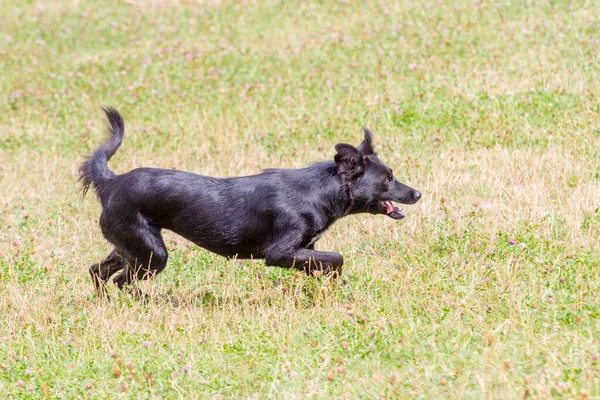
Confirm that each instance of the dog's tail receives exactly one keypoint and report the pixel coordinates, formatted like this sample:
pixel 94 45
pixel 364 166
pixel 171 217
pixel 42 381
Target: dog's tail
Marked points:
pixel 94 170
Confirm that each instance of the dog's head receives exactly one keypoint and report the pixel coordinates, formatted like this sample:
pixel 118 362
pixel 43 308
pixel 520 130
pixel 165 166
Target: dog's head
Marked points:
pixel 372 184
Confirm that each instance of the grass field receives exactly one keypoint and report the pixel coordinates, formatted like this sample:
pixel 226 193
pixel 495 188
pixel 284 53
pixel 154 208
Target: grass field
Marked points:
pixel 488 289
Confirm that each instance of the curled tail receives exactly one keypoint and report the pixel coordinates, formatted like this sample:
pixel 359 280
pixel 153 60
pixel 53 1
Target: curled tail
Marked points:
pixel 94 170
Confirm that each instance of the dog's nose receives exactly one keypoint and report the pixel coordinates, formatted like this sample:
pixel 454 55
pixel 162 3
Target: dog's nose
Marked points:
pixel 417 195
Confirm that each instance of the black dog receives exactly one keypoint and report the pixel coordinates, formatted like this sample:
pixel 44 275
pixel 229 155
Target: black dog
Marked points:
pixel 277 215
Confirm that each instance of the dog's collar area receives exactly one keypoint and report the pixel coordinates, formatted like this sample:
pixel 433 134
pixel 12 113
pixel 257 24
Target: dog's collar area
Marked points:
pixel 347 188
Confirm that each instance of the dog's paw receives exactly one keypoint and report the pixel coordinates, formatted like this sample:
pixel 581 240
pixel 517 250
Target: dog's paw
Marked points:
pixel 139 294
pixel 120 280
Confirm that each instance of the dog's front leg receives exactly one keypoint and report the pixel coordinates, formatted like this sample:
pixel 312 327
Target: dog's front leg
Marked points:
pixel 310 261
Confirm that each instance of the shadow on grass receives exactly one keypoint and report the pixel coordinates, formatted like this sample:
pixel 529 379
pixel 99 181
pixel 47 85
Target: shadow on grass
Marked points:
pixel 304 292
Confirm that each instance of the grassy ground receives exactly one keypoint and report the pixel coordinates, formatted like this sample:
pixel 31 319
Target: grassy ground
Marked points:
pixel 489 287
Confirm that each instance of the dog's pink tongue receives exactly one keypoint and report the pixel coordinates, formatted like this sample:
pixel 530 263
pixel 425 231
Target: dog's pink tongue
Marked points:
pixel 389 206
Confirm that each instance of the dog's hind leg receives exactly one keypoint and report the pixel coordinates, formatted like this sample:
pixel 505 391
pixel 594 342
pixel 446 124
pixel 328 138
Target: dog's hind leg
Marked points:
pixel 146 256
pixel 101 272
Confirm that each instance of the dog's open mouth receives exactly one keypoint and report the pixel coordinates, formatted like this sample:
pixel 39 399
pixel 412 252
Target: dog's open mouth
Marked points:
pixel 393 211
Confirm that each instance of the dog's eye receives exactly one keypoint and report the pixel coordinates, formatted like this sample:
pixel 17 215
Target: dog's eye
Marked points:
pixel 390 178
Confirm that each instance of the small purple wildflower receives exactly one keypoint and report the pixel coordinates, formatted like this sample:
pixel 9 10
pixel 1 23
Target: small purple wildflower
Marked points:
pixel 186 369
pixel 512 242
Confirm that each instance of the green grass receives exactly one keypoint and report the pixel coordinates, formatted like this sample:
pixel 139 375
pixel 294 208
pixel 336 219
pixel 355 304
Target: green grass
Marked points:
pixel 489 287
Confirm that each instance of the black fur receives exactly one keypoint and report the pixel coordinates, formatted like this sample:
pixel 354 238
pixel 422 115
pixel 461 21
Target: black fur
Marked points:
pixel 276 215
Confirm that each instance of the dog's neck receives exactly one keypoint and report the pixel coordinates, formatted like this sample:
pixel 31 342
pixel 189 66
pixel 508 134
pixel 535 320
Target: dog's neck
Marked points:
pixel 337 200
pixel 346 187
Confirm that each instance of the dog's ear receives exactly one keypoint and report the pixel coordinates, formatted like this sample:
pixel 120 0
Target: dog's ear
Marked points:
pixel 366 147
pixel 349 160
